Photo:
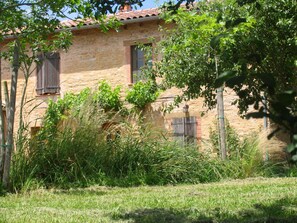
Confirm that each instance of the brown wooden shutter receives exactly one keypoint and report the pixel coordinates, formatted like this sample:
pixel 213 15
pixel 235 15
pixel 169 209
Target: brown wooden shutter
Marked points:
pixel 184 130
pixel 191 129
pixel 178 130
pixel 52 73
pixel 39 85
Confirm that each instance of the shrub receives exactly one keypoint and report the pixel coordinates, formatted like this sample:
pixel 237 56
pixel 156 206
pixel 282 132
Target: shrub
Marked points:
pixel 107 98
pixel 234 145
pixel 57 111
pixel 142 93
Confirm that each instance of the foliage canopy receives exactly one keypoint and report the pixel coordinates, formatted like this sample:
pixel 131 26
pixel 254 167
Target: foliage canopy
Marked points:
pixel 255 44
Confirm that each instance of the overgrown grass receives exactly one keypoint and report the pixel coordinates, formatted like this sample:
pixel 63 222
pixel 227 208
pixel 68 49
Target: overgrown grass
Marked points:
pixel 252 200
pixel 81 155
pixel 82 144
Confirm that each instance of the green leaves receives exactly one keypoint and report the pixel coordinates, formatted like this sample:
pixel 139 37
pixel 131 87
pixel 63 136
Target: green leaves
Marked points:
pixel 224 77
pixel 292 148
pixel 234 22
pixel 215 41
pixel 244 2
pixel 255 41
pixel 107 98
pixel 142 93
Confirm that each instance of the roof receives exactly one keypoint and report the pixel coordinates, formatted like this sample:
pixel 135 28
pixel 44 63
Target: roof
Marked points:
pixel 125 17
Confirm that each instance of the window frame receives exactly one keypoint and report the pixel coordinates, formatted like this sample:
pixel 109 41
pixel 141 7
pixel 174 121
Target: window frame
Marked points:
pixel 127 57
pixel 134 61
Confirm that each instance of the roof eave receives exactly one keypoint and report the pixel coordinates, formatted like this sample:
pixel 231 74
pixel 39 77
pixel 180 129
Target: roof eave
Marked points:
pixel 124 22
pixel 93 26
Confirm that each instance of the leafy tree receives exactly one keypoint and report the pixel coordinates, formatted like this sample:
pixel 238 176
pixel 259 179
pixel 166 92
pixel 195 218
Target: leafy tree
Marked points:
pixel 189 61
pixel 263 73
pixel 28 28
pixel 25 35
pixel 254 45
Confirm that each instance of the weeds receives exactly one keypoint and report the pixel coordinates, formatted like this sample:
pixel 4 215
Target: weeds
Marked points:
pixel 83 156
pixel 82 144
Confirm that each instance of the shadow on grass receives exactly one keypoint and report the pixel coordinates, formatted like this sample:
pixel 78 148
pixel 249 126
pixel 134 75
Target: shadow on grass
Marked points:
pixel 281 211
pixel 80 192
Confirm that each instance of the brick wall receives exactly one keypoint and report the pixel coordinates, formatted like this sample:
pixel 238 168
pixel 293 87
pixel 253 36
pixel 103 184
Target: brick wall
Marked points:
pixel 96 56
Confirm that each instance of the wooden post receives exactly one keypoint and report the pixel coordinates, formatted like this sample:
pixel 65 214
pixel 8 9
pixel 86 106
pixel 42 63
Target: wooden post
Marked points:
pixel 184 131
pixel 221 117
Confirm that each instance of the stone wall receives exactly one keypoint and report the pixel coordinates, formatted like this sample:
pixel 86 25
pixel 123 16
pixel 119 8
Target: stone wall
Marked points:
pixel 96 56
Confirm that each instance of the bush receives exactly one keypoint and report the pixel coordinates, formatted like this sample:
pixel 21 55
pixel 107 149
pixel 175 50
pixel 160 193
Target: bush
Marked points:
pixel 107 98
pixel 142 93
pixel 235 147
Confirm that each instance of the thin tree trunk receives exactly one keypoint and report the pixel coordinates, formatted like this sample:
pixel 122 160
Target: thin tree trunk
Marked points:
pixel 2 140
pixel 11 115
pixel 221 117
pixel 7 116
pixel 21 121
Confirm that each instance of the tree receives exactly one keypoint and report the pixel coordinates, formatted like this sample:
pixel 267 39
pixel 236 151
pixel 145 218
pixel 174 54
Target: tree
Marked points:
pixel 255 44
pixel 264 55
pixel 29 28
pixel 190 62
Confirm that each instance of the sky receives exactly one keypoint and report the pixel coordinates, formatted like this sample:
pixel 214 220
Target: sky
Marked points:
pixel 146 5
pixel 152 3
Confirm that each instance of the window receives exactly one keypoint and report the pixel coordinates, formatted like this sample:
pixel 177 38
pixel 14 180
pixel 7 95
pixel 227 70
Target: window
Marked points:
pixel 139 60
pixel 185 130
pixel 48 74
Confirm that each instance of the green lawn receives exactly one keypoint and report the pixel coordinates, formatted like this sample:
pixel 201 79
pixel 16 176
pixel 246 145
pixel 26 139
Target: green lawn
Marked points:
pixel 251 200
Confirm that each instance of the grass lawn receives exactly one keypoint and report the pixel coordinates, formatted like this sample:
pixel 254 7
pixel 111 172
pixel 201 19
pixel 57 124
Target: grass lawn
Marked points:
pixel 251 200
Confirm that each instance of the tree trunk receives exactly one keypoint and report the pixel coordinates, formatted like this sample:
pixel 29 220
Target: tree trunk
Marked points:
pixel 21 120
pixel 11 114
pixel 2 140
pixel 221 117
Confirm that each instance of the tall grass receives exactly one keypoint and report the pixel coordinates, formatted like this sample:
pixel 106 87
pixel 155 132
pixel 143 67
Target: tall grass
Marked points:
pixel 91 146
pixel 82 156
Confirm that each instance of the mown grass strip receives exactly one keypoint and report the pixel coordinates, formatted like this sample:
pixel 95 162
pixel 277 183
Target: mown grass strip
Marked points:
pixel 250 200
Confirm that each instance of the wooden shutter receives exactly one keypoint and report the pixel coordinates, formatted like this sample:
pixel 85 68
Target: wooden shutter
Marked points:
pixel 52 73
pixel 184 130
pixel 178 130
pixel 39 77
pixel 190 129
pixel 134 64
pixel 48 74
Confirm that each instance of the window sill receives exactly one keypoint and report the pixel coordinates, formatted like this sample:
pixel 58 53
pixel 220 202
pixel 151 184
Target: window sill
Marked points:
pixel 47 95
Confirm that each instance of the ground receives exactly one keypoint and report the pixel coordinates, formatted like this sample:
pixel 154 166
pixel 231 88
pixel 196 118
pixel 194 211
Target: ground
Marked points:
pixel 250 200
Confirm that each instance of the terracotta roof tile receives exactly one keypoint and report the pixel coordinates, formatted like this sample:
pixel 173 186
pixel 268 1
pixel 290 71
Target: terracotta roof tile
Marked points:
pixel 121 16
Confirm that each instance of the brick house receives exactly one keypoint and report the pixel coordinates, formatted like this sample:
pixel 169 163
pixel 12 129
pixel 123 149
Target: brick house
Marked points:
pixel 113 56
